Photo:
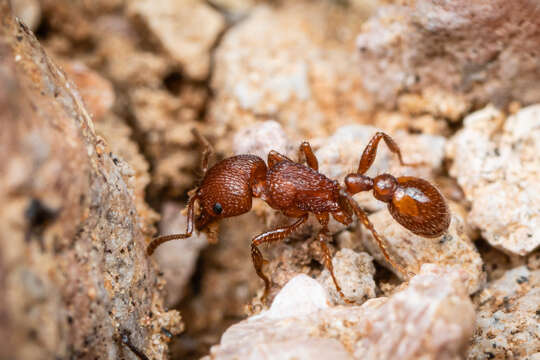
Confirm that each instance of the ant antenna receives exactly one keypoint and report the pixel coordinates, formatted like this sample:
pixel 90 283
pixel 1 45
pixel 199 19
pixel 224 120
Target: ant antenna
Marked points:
pixel 207 149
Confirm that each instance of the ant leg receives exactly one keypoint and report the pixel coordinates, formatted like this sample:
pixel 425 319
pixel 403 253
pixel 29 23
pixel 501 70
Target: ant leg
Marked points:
pixel 207 149
pixel 189 230
pixel 274 157
pixel 311 159
pixel 368 156
pixel 327 256
pixel 269 237
pixel 365 221
pixel 124 337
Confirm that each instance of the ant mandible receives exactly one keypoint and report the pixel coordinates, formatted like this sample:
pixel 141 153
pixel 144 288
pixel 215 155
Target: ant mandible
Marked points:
pixel 297 190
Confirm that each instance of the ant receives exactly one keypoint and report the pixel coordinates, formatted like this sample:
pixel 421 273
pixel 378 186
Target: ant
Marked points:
pixel 297 190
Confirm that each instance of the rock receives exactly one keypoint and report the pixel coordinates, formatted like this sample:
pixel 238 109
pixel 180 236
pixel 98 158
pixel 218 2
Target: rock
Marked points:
pixel 125 154
pixel 74 274
pixel 166 121
pixel 507 323
pixel 177 259
pixel 432 318
pixel 497 163
pixel 442 57
pixel 452 249
pixel 97 92
pixel 29 11
pixel 259 138
pixel 290 63
pixel 354 272
pixel 186 29
pixel 340 154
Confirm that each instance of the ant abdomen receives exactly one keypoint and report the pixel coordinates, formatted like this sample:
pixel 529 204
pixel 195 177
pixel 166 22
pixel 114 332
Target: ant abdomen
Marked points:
pixel 419 206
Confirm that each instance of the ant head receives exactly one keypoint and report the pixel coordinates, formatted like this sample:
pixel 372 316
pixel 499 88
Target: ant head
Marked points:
pixel 226 189
pixel 384 187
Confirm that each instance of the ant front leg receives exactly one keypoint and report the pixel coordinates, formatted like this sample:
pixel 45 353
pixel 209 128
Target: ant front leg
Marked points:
pixel 311 159
pixel 189 230
pixel 368 156
pixel 322 237
pixel 270 237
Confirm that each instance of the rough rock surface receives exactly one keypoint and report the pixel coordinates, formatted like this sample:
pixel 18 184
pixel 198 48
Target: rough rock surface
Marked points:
pixel 508 318
pixel 74 275
pixel 493 155
pixel 432 318
pixel 452 54
pixel 354 272
pixel 452 249
pixel 292 64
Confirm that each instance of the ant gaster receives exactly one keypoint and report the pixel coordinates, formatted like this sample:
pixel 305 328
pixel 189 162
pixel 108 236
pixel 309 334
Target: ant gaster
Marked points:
pixel 297 190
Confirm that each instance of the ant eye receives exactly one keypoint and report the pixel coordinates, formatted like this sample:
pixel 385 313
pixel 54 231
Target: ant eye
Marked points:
pixel 217 208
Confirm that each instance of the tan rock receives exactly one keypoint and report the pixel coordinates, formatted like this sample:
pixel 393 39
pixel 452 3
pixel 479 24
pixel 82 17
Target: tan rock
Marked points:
pixel 185 29
pixel 73 271
pixel 354 272
pixel 96 91
pixel 497 163
pixel 291 63
pixel 444 56
pixel 29 11
pixel 452 249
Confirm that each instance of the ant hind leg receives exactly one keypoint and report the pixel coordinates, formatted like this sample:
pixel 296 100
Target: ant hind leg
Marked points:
pixel 365 221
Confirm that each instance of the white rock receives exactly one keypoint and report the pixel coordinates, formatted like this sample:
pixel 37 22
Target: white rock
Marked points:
pixel 259 138
pixel 431 319
pixel 186 29
pixel 498 166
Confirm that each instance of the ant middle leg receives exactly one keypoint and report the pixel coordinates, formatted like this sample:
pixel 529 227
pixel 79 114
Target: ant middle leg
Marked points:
pixel 370 151
pixel 266 238
pixel 322 237
pixel 311 159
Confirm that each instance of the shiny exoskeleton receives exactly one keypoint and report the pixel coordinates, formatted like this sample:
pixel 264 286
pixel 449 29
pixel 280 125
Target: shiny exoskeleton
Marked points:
pixel 297 190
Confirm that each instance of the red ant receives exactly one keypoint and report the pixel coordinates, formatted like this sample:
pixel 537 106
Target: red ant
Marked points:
pixel 297 190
